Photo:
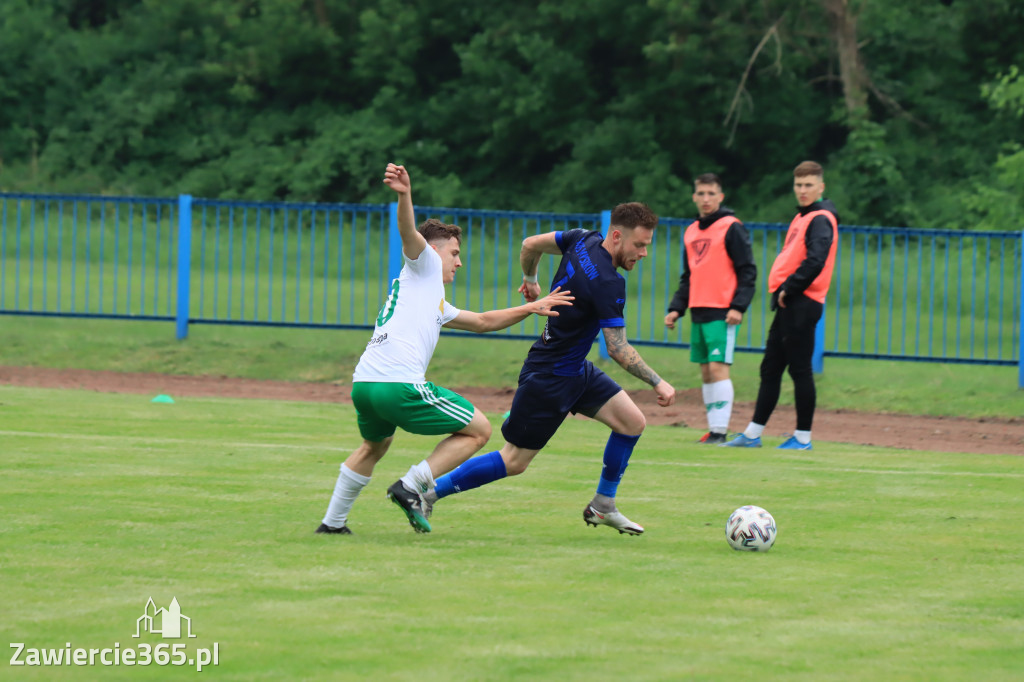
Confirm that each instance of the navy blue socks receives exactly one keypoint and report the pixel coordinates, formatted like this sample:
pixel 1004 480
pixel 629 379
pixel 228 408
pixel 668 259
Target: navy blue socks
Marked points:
pixel 616 458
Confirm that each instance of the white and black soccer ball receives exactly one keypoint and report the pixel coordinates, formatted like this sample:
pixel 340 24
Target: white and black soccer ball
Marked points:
pixel 751 529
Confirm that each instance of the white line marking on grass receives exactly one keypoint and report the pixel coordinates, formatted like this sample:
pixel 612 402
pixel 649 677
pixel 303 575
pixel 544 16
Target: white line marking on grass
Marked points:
pixel 911 473
pixel 170 441
pixel 845 470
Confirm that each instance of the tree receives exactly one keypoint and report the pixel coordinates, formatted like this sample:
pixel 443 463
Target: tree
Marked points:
pixel 997 203
pixel 568 105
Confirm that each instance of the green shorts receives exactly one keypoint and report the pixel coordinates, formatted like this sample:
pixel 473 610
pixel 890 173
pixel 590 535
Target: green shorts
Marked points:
pixel 425 409
pixel 712 342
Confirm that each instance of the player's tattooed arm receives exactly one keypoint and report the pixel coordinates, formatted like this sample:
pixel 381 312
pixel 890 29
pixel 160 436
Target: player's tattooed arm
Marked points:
pixel 623 353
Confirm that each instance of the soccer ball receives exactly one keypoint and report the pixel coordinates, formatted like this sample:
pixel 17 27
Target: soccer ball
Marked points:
pixel 751 529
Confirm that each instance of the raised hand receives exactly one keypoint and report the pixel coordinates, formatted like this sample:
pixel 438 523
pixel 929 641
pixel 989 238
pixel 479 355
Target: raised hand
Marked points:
pixel 397 178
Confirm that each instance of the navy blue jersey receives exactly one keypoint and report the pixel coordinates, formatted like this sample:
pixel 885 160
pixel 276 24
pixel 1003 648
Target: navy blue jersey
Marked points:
pixel 600 292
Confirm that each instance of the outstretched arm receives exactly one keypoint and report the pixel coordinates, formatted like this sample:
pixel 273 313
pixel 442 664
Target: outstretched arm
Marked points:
pixel 629 359
pixel 413 243
pixel 533 248
pixel 494 320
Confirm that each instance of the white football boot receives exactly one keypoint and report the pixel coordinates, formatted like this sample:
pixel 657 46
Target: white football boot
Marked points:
pixel 615 519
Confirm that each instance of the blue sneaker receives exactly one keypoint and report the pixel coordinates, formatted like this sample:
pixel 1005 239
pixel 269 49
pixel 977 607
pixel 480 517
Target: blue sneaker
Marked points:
pixel 741 441
pixel 792 443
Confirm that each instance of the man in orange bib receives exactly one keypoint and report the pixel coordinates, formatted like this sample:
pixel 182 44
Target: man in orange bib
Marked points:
pixel 717 285
pixel 798 282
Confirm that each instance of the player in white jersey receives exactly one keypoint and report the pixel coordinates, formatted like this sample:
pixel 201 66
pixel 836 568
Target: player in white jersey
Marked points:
pixel 389 386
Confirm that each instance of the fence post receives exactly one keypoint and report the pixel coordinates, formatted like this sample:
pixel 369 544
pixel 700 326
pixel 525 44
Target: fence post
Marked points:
pixel 395 260
pixel 184 263
pixel 818 357
pixel 606 223
pixel 1020 318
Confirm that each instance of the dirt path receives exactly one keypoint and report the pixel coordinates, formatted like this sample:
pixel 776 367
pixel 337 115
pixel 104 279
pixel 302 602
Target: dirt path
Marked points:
pixel 945 434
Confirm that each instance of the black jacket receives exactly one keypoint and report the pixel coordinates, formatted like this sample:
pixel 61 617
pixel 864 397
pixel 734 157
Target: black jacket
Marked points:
pixel 737 245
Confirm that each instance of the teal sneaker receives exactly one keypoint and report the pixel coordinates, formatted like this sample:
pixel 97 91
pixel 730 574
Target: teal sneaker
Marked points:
pixel 741 441
pixel 792 443
pixel 412 504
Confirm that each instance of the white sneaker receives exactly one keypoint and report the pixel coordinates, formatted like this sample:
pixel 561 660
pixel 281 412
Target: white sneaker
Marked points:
pixel 615 519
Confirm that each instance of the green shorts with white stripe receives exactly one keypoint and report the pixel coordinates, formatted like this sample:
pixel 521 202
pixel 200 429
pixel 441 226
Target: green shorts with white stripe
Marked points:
pixel 713 341
pixel 424 408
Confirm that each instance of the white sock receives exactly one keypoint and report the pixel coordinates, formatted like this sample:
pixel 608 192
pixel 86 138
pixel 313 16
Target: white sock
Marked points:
pixel 754 430
pixel 802 437
pixel 718 400
pixel 705 391
pixel 346 490
pixel 419 478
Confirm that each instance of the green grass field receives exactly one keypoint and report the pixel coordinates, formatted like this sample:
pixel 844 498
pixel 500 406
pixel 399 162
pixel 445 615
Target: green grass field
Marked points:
pixel 890 565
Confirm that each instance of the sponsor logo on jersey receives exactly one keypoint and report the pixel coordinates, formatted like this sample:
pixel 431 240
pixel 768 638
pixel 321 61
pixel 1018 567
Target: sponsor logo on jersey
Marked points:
pixel 377 340
pixel 584 259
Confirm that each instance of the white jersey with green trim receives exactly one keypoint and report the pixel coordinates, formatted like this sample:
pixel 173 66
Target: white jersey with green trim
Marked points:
pixel 408 325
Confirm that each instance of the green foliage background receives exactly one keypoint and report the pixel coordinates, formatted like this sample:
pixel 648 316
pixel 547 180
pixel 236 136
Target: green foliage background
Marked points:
pixel 538 105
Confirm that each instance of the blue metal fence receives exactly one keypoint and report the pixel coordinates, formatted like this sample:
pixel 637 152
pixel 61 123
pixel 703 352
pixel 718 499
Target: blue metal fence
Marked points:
pixel 901 294
pixel 65 255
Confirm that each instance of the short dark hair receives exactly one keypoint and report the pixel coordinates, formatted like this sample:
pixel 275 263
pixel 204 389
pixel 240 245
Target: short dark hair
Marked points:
pixel 805 168
pixel 433 230
pixel 634 214
pixel 707 179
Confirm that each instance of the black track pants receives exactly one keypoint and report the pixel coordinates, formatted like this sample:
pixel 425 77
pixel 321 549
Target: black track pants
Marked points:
pixel 790 344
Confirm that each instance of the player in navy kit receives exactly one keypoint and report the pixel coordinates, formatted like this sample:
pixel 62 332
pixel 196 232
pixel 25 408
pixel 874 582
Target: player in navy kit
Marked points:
pixel 557 379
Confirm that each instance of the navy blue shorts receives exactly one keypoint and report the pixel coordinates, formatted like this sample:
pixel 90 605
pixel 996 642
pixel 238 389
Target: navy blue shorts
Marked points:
pixel 542 401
